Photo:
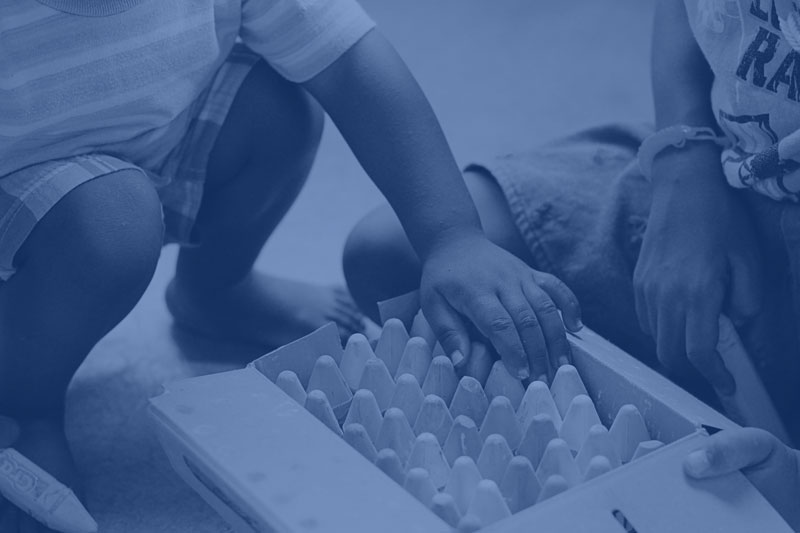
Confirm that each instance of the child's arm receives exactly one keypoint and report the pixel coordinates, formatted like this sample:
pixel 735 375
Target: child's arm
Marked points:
pixel 390 126
pixel 699 249
pixel 770 465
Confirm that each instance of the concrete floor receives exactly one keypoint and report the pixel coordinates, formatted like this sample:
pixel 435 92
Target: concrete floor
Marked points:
pixel 502 75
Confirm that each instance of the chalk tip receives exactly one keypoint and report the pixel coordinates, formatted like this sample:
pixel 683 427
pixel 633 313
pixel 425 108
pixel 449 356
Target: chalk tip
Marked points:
pixel 72 517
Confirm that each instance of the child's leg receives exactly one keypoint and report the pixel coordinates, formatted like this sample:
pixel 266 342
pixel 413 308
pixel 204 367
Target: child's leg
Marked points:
pixel 257 168
pixel 81 270
pixel 379 262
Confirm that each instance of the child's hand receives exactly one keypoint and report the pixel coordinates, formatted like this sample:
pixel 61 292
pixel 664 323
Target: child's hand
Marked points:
pixel 699 252
pixel 515 307
pixel 769 465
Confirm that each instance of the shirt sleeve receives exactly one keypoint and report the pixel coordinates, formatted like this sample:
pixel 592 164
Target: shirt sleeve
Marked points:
pixel 301 38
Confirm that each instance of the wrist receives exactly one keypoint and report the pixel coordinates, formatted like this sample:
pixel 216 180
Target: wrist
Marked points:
pixel 445 241
pixel 695 166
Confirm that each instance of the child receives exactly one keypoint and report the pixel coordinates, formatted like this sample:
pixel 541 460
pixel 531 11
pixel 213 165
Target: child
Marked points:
pixel 128 123
pixel 714 228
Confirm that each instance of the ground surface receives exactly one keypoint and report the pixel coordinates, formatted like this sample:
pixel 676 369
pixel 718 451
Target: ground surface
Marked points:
pixel 502 75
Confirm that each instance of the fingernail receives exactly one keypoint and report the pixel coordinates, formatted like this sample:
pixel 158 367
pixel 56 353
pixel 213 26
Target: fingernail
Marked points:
pixel 457 357
pixel 697 463
pixel 542 378
pixel 578 325
pixel 563 361
pixel 523 373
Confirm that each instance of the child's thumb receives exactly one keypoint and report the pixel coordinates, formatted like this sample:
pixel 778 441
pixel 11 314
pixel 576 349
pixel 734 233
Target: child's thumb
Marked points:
pixel 729 451
pixel 450 330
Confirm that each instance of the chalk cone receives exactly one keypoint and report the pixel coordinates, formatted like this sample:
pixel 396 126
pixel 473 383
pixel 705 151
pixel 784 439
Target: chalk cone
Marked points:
pixel 567 384
pixel 598 466
pixel 469 400
pixel 488 503
pixel 318 405
pixel 469 524
pixel 444 506
pixel 580 417
pixel 357 437
pixel 326 377
pixel 598 442
pixel 520 486
pixel 389 462
pixel 354 359
pixel 494 458
pixel 463 439
pixel 479 364
pixel 557 460
pixel 500 419
pixel 462 482
pixel 552 486
pixel 419 485
pixel 434 417
pixel 537 401
pixel 395 433
pixel 289 383
pixel 627 431
pixel 501 383
pixel 427 454
pixel 376 378
pixel 441 379
pixel 540 432
pixel 420 327
pixel 407 397
pixel 364 410
pixel 646 447
pixel 392 344
pixel 416 359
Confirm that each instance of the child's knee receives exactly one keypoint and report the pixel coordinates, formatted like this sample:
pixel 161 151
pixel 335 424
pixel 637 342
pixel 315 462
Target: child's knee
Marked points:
pixel 376 244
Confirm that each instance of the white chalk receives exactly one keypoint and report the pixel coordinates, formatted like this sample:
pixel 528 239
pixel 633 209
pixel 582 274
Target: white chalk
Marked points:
pixel 488 503
pixel 462 482
pixel 479 364
pixel 356 436
pixel 627 431
pixel 537 401
pixel 395 433
pixel 441 379
pixel 463 439
pixel 501 383
pixel 500 419
pixel 326 377
pixel 598 466
pixel 552 486
pixel 580 417
pixel 494 458
pixel 567 384
pixel 419 485
pixel 376 378
pixel 427 454
pixel 420 327
pixel 557 460
pixel 289 383
pixel 469 524
pixel 408 397
pixel 598 442
pixel 444 506
pixel 318 405
pixel 434 417
pixel 354 359
pixel 364 410
pixel 392 344
pixel 520 486
pixel 389 462
pixel 416 359
pixel 469 400
pixel 645 448
pixel 540 432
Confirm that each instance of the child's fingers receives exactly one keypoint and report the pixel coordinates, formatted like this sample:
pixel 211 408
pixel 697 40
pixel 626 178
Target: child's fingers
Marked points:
pixel 450 330
pixel 745 290
pixel 702 335
pixel 563 297
pixel 729 451
pixel 494 322
pixel 558 350
pixel 529 329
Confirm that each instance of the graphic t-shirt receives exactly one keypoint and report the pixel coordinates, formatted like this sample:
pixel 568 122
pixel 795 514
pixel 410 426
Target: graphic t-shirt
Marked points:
pixel 753 47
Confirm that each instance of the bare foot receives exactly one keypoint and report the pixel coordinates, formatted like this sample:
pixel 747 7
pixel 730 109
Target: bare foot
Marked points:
pixel 263 310
pixel 44 443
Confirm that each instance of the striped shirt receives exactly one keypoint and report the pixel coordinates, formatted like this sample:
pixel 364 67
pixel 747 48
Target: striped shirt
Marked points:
pixel 120 76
